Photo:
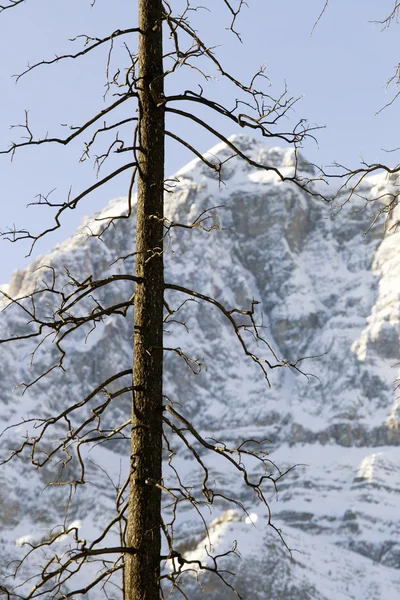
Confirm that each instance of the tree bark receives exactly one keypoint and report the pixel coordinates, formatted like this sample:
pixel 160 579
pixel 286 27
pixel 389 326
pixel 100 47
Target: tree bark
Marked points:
pixel 142 570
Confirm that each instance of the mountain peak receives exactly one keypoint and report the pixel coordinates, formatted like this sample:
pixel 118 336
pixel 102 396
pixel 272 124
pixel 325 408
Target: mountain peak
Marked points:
pixel 256 150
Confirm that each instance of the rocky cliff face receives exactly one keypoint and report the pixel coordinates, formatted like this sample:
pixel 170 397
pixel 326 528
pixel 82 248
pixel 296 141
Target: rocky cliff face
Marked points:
pixel 325 290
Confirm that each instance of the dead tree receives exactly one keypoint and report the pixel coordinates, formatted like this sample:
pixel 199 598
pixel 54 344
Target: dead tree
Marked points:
pixel 138 517
pixel 142 570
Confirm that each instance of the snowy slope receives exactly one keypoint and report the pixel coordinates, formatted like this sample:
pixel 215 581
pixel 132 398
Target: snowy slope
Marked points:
pixel 326 290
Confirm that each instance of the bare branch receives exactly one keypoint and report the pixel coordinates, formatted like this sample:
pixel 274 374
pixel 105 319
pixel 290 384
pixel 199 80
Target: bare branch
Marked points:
pixel 63 141
pixel 87 48
pixel 13 4
pixel 13 235
pixel 320 16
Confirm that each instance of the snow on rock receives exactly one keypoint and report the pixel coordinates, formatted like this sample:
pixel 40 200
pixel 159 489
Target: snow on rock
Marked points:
pixel 326 290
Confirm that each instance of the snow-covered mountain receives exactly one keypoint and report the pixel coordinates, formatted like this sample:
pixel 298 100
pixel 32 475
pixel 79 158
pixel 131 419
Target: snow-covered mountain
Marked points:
pixel 326 290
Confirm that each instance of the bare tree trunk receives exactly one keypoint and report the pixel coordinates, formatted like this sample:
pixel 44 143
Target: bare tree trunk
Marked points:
pixel 142 570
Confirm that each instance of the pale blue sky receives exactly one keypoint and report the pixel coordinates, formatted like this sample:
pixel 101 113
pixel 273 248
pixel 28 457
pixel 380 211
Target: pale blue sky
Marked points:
pixel 341 71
